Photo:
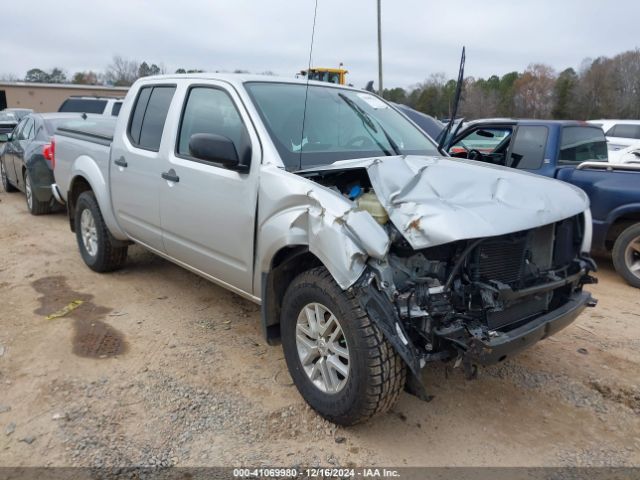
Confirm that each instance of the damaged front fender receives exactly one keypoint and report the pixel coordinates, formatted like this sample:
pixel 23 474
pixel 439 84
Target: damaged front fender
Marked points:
pixel 295 211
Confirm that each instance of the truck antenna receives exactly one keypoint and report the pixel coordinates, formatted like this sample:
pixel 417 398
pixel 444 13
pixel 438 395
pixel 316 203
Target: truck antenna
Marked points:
pixel 306 92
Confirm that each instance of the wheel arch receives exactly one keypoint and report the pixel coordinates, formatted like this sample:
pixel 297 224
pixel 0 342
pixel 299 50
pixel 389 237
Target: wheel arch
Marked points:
pixel 622 220
pixel 286 264
pixel 77 186
pixel 91 179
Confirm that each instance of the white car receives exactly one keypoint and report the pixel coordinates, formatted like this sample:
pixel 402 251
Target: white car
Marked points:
pixel 620 133
pixel 626 155
pixel 107 106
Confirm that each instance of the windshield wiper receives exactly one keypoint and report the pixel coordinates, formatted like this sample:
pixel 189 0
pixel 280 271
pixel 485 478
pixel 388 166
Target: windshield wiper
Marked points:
pixel 366 120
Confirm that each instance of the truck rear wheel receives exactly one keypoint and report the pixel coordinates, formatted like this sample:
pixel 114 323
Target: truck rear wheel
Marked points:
pixel 338 358
pixel 94 240
pixel 626 255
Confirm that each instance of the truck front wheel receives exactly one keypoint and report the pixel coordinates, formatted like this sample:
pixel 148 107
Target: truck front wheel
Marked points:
pixel 626 255
pixel 338 358
pixel 94 240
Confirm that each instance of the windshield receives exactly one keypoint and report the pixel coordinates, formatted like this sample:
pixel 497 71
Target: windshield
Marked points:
pixel 339 124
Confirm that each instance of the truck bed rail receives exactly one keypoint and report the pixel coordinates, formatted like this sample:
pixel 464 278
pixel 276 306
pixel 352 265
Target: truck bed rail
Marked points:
pixel 629 167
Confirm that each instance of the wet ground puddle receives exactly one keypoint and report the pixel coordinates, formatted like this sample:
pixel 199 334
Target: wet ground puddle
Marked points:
pixel 92 338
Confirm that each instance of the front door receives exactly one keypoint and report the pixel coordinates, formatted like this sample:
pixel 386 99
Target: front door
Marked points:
pixel 483 143
pixel 136 164
pixel 208 211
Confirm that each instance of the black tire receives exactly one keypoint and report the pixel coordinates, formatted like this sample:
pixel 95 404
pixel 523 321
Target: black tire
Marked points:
pixel 35 206
pixel 5 180
pixel 376 375
pixel 107 257
pixel 624 256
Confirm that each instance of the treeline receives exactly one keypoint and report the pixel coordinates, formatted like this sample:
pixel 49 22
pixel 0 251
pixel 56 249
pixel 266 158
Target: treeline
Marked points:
pixel 602 88
pixel 121 72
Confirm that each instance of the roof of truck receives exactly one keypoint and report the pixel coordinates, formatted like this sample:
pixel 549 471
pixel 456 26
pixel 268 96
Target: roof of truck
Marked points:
pixel 240 78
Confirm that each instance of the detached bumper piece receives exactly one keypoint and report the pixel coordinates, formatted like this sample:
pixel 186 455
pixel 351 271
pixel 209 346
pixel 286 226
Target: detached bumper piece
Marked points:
pixel 486 347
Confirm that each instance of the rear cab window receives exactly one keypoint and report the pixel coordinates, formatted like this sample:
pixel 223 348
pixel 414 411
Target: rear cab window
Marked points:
pixel 83 105
pixel 582 144
pixel 149 116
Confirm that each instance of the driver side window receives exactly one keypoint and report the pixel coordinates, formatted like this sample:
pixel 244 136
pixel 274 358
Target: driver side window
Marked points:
pixel 489 144
pixel 211 110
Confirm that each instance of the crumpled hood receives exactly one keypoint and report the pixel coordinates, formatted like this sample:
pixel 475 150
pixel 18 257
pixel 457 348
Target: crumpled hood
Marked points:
pixel 433 201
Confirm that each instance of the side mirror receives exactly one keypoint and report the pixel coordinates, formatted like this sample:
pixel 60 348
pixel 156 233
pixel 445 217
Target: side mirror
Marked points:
pixel 216 149
pixel 5 137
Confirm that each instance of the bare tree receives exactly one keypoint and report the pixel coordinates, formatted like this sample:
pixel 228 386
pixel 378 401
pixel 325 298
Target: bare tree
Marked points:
pixel 122 72
pixel 9 77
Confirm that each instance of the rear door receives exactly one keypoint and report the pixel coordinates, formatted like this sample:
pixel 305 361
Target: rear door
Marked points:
pixel 136 164
pixel 208 213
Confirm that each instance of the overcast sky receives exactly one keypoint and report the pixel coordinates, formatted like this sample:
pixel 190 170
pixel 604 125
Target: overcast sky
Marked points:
pixel 420 37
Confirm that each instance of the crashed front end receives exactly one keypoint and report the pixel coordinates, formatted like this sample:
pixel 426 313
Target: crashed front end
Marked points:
pixel 481 300
pixel 482 262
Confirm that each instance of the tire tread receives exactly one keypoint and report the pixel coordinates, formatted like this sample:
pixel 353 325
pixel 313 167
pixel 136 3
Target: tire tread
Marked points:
pixel 110 257
pixel 618 254
pixel 386 369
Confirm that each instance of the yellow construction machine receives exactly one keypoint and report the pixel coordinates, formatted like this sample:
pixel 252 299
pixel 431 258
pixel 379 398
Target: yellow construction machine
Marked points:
pixel 331 75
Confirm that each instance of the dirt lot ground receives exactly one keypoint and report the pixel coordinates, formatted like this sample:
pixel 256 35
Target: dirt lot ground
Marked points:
pixel 160 367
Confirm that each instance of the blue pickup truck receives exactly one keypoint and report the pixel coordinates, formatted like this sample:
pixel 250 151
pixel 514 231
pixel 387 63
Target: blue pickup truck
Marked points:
pixel 574 152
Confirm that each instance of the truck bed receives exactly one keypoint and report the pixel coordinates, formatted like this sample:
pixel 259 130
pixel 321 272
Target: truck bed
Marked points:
pixel 85 141
pixel 97 130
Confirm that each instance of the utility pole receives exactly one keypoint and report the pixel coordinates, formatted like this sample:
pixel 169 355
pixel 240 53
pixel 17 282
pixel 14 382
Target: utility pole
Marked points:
pixel 380 88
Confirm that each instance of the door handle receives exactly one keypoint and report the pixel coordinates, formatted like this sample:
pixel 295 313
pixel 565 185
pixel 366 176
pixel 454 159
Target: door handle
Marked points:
pixel 121 162
pixel 170 176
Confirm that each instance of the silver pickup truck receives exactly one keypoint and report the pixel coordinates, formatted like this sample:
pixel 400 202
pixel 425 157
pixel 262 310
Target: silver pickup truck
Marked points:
pixel 370 254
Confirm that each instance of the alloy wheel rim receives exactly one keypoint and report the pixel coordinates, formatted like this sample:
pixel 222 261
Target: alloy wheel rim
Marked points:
pixel 28 192
pixel 322 348
pixel 89 232
pixel 632 256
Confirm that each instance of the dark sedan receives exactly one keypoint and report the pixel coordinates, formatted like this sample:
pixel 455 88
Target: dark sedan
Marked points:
pixel 26 159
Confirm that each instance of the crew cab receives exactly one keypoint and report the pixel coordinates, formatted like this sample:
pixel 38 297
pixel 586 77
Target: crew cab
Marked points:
pixel 370 254
pixel 574 152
